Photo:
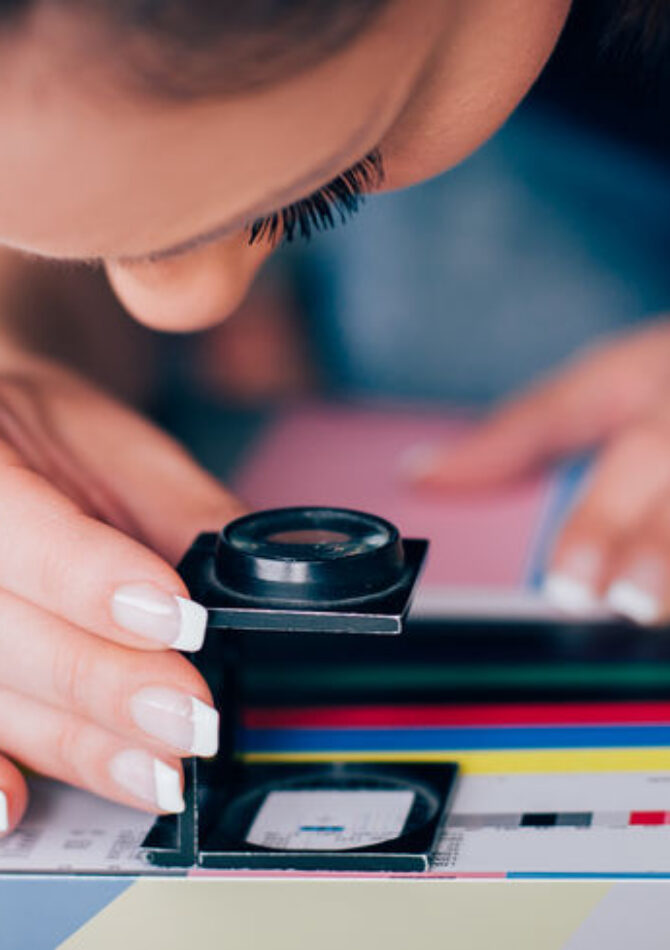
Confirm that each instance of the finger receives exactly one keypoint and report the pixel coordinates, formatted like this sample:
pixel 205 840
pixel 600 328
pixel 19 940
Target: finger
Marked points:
pixel 97 578
pixel 156 486
pixel 638 579
pixel 165 702
pixel 584 404
pixel 13 796
pixel 516 440
pixel 511 442
pixel 73 750
pixel 630 478
pixel 170 496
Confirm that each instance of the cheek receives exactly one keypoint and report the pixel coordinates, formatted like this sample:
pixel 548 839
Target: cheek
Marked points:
pixel 192 291
pixel 487 64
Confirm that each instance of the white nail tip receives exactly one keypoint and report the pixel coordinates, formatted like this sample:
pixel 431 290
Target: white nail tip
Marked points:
pixel 192 625
pixel 205 721
pixel 629 601
pixel 569 594
pixel 4 813
pixel 168 788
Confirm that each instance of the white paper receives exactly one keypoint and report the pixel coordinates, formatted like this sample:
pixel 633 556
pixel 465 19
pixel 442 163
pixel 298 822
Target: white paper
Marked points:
pixel 609 846
pixel 67 830
pixel 329 820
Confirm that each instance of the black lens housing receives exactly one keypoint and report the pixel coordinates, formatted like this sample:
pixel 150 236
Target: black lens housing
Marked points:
pixel 309 556
pixel 309 569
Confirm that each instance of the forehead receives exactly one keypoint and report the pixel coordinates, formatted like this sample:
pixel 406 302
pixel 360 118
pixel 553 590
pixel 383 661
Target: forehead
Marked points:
pixel 90 170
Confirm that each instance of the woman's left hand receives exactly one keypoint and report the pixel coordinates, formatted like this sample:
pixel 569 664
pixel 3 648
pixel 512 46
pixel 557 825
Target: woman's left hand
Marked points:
pixel 614 548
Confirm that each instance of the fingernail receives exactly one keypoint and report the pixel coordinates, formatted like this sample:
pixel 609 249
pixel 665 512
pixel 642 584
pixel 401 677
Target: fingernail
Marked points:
pixel 419 461
pixel 628 600
pixel 569 594
pixel 638 592
pixel 571 585
pixel 148 778
pixel 150 612
pixel 4 813
pixel 180 720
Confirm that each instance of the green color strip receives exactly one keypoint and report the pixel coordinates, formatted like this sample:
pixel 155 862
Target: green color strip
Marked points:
pixel 329 678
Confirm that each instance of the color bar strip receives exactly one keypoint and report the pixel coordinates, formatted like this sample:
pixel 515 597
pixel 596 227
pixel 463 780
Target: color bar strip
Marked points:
pixel 334 678
pixel 474 821
pixel 649 818
pixel 497 762
pixel 440 715
pixel 467 738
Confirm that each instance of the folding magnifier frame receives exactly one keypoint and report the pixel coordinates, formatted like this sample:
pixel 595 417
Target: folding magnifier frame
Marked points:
pixel 309 570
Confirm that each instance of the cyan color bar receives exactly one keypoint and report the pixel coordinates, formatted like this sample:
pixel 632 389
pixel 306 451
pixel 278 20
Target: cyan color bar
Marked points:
pixel 457 739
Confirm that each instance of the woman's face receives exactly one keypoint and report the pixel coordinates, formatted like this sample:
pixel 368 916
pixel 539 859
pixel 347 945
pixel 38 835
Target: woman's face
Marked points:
pixel 161 191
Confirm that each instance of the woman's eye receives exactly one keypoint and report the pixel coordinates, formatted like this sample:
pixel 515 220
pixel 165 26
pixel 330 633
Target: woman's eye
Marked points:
pixel 334 203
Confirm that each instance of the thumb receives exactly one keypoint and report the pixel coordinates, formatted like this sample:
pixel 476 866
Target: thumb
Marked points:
pixel 582 405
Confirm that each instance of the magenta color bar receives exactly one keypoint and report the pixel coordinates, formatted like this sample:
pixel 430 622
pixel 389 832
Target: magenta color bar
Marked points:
pixel 479 714
pixel 649 818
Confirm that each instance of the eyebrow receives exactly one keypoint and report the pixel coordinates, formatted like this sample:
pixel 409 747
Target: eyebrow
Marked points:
pixel 305 185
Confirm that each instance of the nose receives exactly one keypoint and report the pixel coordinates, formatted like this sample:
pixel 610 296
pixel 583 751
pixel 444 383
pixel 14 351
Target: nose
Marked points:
pixel 188 291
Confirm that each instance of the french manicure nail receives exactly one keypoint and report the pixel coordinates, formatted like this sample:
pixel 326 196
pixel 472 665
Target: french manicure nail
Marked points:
pixel 148 778
pixel 637 593
pixel 4 813
pixel 571 585
pixel 152 613
pixel 177 719
pixel 569 594
pixel 628 600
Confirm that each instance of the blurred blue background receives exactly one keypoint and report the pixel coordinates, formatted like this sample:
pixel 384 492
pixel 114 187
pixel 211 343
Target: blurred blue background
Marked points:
pixel 467 287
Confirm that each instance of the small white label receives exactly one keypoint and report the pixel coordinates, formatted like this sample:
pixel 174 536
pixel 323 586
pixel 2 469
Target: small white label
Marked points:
pixel 329 820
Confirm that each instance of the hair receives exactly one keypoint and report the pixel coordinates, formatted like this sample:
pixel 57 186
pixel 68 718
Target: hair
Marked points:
pixel 203 47
pixel 643 26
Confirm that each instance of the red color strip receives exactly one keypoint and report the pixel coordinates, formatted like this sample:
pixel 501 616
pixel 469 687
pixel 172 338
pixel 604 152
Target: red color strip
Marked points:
pixel 647 818
pixel 487 714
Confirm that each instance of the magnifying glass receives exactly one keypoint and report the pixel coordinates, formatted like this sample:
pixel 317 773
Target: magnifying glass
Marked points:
pixel 309 569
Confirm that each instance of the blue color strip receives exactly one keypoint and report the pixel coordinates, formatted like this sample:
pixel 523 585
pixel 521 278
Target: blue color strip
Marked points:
pixel 466 738
pixel 327 828
pixel 569 481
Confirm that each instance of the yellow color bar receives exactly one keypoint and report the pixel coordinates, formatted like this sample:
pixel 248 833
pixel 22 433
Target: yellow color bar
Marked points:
pixel 500 762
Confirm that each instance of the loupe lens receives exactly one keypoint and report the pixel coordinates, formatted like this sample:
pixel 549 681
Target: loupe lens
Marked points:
pixel 309 533
pixel 309 555
pixel 311 536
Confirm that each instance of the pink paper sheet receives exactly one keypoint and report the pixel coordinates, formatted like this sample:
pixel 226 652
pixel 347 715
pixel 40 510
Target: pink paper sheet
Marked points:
pixel 335 455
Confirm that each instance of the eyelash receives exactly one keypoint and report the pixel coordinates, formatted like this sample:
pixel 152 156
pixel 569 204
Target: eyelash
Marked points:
pixel 340 198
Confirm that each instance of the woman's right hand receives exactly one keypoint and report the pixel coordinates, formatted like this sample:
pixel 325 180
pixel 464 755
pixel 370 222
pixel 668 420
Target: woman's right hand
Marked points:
pixel 95 504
